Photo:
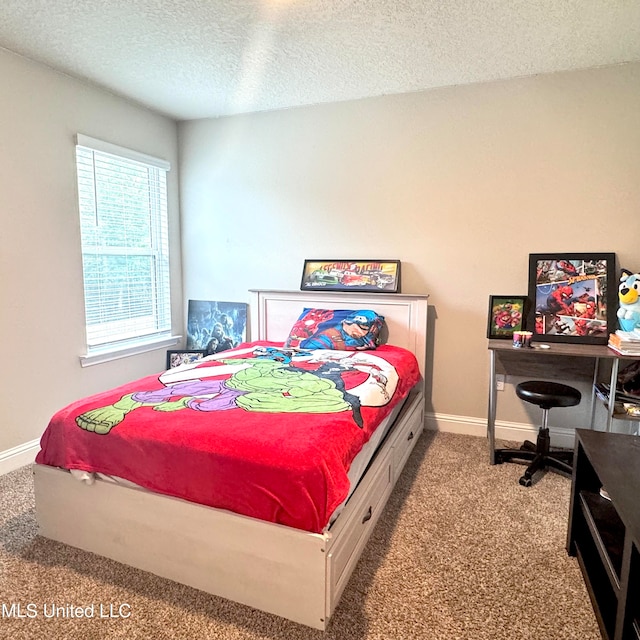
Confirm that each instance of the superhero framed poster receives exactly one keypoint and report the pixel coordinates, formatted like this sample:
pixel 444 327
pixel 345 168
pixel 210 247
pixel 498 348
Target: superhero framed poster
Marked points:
pixel 507 314
pixel 381 276
pixel 572 296
pixel 216 326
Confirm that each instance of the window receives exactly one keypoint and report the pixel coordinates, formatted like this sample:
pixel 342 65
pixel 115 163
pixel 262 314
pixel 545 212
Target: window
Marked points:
pixel 122 197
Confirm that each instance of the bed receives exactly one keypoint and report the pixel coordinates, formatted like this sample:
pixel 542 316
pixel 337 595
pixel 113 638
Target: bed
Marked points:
pixel 279 568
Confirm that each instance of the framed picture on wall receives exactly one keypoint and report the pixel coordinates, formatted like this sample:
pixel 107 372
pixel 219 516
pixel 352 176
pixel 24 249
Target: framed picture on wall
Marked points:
pixel 381 276
pixel 573 297
pixel 507 314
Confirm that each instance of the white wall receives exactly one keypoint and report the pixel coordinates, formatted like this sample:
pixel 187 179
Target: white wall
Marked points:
pixel 461 184
pixel 42 317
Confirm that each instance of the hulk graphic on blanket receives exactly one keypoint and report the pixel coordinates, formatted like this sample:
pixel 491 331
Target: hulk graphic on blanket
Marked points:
pixel 273 381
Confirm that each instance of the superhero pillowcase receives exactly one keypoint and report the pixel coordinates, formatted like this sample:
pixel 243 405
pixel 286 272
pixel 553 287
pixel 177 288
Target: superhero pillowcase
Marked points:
pixel 343 329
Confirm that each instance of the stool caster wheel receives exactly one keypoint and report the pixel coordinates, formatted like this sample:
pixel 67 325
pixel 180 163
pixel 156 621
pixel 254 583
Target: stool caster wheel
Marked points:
pixel 525 482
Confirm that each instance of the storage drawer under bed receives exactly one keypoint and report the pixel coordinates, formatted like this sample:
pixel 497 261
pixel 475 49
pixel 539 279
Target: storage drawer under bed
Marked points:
pixel 371 497
pixel 405 439
pixel 356 532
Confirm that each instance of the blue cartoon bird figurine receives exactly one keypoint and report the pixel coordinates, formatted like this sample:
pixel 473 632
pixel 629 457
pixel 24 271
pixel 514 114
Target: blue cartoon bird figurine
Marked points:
pixel 629 301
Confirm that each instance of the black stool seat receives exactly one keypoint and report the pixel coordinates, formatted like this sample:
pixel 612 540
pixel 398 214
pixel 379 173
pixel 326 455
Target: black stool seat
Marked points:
pixel 547 395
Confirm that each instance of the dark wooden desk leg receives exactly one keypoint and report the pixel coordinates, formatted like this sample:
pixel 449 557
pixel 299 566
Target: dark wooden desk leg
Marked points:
pixel 491 417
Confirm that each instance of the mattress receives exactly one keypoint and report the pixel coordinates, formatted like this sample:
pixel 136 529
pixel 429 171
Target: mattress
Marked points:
pixel 356 471
pixel 258 430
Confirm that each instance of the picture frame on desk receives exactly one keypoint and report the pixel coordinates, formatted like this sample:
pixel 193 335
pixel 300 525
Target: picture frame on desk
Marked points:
pixel 507 314
pixel 573 297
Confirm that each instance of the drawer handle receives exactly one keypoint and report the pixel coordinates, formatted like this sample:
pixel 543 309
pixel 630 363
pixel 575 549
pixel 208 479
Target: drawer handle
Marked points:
pixel 367 516
pixel 410 436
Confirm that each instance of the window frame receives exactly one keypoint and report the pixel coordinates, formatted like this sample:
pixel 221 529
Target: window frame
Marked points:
pixel 150 340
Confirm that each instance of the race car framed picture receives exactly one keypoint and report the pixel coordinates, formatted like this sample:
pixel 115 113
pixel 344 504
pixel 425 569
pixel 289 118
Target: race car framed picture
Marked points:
pixel 381 276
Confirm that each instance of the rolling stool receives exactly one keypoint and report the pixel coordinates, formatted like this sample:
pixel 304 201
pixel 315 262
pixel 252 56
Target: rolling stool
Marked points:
pixel 546 395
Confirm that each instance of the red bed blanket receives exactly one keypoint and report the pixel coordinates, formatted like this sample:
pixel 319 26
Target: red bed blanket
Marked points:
pixel 259 430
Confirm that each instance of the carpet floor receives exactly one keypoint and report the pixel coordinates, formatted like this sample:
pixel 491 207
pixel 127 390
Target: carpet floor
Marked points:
pixel 461 551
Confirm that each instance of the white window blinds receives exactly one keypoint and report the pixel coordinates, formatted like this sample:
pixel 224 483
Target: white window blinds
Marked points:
pixel 125 250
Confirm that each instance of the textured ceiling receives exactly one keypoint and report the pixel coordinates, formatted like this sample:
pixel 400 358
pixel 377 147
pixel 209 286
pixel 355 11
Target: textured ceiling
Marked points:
pixel 205 58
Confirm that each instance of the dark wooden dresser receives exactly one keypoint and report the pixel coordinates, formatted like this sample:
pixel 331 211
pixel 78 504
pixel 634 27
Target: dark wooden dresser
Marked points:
pixel 604 533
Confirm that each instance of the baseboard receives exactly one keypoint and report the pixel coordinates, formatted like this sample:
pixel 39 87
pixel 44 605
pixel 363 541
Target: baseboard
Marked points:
pixel 19 456
pixel 514 431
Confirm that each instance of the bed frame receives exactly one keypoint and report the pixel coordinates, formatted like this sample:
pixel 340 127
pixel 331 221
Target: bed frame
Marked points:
pixel 274 568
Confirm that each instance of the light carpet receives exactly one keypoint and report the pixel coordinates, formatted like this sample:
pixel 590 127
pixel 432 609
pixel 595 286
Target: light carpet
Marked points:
pixel 462 551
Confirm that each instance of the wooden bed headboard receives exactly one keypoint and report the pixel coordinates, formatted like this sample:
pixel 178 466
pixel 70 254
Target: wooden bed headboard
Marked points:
pixel 273 313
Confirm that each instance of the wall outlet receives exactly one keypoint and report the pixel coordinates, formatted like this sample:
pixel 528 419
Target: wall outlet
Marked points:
pixel 500 382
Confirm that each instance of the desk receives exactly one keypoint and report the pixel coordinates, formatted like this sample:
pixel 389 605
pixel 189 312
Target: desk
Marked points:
pixel 567 360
